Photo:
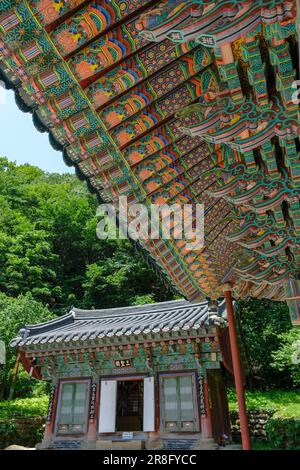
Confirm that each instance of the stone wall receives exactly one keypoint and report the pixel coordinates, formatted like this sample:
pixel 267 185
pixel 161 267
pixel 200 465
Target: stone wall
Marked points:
pixel 21 431
pixel 257 422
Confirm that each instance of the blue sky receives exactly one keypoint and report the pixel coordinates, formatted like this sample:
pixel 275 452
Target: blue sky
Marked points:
pixel 21 142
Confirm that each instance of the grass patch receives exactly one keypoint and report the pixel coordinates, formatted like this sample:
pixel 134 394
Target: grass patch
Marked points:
pixel 24 407
pixel 258 445
pixel 285 403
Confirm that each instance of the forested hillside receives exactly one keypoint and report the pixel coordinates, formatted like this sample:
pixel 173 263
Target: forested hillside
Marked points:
pixel 49 247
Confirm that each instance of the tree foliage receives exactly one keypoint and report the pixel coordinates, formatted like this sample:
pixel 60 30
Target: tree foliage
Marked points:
pixel 287 356
pixel 15 312
pixel 49 247
pixel 261 322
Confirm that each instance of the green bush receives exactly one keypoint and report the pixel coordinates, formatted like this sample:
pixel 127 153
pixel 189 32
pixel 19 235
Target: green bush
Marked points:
pixel 260 323
pixel 288 349
pixel 283 433
pixel 24 407
pixel 7 431
pixel 27 387
pixel 285 403
pixel 22 421
pixel 13 313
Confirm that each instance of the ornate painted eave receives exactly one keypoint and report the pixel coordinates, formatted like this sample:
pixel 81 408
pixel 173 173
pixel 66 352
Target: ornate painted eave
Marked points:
pixel 177 102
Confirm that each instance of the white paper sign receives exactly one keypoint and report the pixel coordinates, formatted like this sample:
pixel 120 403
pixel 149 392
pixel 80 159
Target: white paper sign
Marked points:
pixel 127 436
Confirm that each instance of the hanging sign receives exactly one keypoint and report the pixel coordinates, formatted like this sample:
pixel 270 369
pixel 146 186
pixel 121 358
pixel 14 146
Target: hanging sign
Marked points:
pixel 120 363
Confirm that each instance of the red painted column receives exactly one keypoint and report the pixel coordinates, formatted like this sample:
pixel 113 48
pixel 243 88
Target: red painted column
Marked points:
pixel 237 370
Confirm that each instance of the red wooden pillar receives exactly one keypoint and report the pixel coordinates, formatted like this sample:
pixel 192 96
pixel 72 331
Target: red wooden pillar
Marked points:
pixel 237 370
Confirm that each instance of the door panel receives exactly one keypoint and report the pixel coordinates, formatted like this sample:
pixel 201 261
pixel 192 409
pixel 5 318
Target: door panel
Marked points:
pixel 186 398
pixel 171 411
pixel 108 403
pixel 178 408
pixel 73 407
pixel 149 409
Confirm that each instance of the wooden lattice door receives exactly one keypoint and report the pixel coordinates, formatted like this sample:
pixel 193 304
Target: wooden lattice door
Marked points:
pixel 178 405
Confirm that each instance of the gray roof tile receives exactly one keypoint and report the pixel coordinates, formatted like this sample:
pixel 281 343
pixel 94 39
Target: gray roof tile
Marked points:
pixel 81 325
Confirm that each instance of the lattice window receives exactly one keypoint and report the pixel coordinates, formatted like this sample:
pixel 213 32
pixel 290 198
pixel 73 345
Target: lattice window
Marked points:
pixel 73 407
pixel 9 21
pixel 179 412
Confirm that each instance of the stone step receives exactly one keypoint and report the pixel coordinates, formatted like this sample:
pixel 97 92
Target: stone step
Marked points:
pixel 179 444
pixel 66 444
pixel 102 444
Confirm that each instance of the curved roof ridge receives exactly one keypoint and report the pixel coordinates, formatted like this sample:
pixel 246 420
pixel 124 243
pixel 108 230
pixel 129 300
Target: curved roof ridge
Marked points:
pixel 144 308
pixel 51 322
pixel 91 324
pixel 40 328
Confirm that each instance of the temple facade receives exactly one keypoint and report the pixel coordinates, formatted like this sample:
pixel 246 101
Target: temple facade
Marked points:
pixel 148 376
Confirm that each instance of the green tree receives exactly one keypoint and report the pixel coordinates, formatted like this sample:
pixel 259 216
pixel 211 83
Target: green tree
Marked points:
pixel 49 247
pixel 287 356
pixel 261 322
pixel 15 312
pixel 119 277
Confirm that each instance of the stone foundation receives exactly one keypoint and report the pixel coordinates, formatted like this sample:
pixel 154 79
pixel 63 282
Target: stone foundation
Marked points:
pixel 257 423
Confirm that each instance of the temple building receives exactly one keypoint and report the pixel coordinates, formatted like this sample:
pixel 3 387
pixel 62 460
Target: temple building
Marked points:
pixel 131 377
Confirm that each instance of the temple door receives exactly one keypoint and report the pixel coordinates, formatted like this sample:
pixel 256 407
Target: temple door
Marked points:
pixel 179 410
pixel 149 402
pixel 108 404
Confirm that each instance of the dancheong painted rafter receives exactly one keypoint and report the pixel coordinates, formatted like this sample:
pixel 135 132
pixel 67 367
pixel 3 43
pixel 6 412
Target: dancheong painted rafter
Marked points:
pixel 176 101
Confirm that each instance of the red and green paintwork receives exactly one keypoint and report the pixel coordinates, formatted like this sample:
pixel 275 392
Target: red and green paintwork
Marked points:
pixel 176 101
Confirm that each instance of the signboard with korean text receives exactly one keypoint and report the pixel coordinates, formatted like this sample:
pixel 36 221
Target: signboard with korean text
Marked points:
pixel 120 363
